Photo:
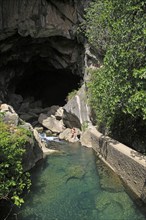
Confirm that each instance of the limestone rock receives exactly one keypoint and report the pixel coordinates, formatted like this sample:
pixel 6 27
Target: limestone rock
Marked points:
pixel 88 137
pixel 32 154
pixel 10 116
pixel 43 144
pixel 33 151
pixel 6 108
pixel 30 33
pixel 37 110
pixel 39 129
pixel 28 116
pixel 26 125
pixel 68 135
pixel 42 117
pixel 70 120
pixel 48 133
pixel 52 110
pixel 59 113
pixel 51 123
pixel 77 105
pixel 48 18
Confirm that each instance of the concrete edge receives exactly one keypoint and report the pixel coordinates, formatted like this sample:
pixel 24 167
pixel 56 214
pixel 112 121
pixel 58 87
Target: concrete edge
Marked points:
pixel 126 162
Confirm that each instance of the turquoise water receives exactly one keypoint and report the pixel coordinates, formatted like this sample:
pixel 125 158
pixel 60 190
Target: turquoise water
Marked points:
pixel 76 185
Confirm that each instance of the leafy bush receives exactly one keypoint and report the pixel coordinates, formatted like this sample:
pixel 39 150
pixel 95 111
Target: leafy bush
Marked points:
pixel 118 90
pixel 84 126
pixel 71 94
pixel 12 178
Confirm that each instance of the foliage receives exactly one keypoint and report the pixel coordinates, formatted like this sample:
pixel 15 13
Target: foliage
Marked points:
pixel 118 30
pixel 12 178
pixel 71 94
pixel 84 126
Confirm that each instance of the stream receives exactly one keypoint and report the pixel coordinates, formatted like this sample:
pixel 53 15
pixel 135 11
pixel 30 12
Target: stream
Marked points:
pixel 75 185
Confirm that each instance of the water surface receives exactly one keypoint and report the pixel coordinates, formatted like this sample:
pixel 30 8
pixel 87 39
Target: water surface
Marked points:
pixel 76 185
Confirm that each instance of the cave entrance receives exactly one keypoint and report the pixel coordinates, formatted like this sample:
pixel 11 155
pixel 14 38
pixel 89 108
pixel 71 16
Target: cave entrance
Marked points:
pixel 51 87
pixel 44 83
pixel 43 69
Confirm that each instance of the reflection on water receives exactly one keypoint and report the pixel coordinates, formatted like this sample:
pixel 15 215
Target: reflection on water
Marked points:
pixel 75 185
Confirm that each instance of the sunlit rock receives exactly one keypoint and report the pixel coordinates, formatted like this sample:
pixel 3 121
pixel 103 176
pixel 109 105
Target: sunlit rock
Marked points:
pixel 71 135
pixel 52 123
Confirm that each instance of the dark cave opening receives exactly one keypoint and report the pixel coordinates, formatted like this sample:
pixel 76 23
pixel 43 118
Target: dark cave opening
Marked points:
pixel 47 84
pixel 43 69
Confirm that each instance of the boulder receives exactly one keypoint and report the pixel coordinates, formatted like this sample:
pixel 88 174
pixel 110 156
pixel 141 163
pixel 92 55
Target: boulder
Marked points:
pixel 37 110
pixel 78 105
pixel 53 109
pixel 10 116
pixel 42 117
pixel 26 125
pixel 28 116
pixel 24 107
pixel 32 154
pixel 15 100
pixel 51 123
pixel 42 144
pixel 6 108
pixel 70 120
pixel 70 135
pixel 39 129
pixel 48 133
pixel 59 113
pixel 87 137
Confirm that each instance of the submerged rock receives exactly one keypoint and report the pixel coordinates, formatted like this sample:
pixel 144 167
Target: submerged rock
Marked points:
pixel 120 205
pixel 75 172
pixel 109 181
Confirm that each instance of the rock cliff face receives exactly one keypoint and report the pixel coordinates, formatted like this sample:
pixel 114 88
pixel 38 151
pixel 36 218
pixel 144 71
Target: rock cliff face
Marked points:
pixel 37 18
pixel 78 105
pixel 38 37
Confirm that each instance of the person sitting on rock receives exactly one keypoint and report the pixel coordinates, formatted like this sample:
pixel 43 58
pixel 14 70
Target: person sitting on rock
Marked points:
pixel 73 132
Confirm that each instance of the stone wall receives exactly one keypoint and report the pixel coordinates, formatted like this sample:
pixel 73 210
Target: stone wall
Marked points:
pixel 126 162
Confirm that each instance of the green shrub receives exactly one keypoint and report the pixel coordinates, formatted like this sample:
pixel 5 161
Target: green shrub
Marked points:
pixel 13 180
pixel 117 91
pixel 71 94
pixel 84 126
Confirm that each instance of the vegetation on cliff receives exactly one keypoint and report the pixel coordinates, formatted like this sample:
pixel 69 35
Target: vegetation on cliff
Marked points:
pixel 117 29
pixel 13 180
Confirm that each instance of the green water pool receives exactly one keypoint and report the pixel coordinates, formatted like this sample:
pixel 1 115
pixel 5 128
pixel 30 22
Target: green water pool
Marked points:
pixel 76 185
